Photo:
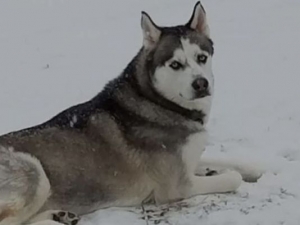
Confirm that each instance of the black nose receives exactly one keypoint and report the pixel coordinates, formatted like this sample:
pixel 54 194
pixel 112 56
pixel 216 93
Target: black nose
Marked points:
pixel 200 84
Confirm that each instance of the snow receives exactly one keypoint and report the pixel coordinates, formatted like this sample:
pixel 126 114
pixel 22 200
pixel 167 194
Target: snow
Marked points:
pixel 56 53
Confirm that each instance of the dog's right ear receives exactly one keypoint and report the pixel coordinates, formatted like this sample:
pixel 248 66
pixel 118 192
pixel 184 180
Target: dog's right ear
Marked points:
pixel 151 31
pixel 198 21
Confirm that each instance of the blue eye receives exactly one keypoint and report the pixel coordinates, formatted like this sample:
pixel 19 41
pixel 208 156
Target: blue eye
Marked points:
pixel 201 59
pixel 175 65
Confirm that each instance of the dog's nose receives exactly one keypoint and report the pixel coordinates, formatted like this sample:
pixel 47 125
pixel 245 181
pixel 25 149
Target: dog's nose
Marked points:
pixel 200 84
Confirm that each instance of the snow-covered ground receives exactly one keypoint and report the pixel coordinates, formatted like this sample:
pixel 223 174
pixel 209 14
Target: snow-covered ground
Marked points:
pixel 55 53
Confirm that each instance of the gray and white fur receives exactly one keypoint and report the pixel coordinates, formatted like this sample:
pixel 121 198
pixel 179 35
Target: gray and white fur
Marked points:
pixel 138 140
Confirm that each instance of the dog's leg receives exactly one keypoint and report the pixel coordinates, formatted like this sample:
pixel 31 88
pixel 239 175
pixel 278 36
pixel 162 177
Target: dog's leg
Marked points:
pixel 60 216
pixel 24 187
pixel 250 173
pixel 45 222
pixel 221 183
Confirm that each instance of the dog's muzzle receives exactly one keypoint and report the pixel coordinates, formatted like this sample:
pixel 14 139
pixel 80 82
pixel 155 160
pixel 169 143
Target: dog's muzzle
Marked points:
pixel 201 87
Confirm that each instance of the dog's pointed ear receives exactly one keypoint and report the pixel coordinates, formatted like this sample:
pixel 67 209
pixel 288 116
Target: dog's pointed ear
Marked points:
pixel 151 31
pixel 198 20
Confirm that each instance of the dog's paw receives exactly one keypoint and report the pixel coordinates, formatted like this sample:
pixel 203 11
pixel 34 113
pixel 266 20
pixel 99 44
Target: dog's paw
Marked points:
pixel 232 180
pixel 66 218
pixel 252 175
pixel 206 172
pixel 210 172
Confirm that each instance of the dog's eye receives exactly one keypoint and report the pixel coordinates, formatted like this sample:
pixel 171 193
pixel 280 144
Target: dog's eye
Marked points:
pixel 175 65
pixel 202 58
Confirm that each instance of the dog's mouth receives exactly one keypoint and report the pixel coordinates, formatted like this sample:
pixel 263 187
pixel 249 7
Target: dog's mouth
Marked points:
pixel 201 94
pixel 197 95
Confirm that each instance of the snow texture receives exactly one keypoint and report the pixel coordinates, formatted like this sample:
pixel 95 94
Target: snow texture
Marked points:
pixel 56 53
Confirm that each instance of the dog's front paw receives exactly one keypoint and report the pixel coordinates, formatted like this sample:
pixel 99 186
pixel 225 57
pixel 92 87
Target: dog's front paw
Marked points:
pixel 66 218
pixel 251 174
pixel 206 172
pixel 211 173
pixel 232 180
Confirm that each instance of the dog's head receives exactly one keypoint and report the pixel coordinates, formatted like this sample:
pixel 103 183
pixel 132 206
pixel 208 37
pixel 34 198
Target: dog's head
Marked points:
pixel 179 59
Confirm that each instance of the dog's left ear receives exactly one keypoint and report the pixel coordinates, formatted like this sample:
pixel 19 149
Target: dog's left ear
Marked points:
pixel 151 31
pixel 198 20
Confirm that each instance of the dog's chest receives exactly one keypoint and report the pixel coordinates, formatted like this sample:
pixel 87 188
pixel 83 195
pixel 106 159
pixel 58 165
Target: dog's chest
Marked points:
pixel 193 149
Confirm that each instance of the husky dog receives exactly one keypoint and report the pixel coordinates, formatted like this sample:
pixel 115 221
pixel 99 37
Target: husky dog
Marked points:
pixel 138 140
